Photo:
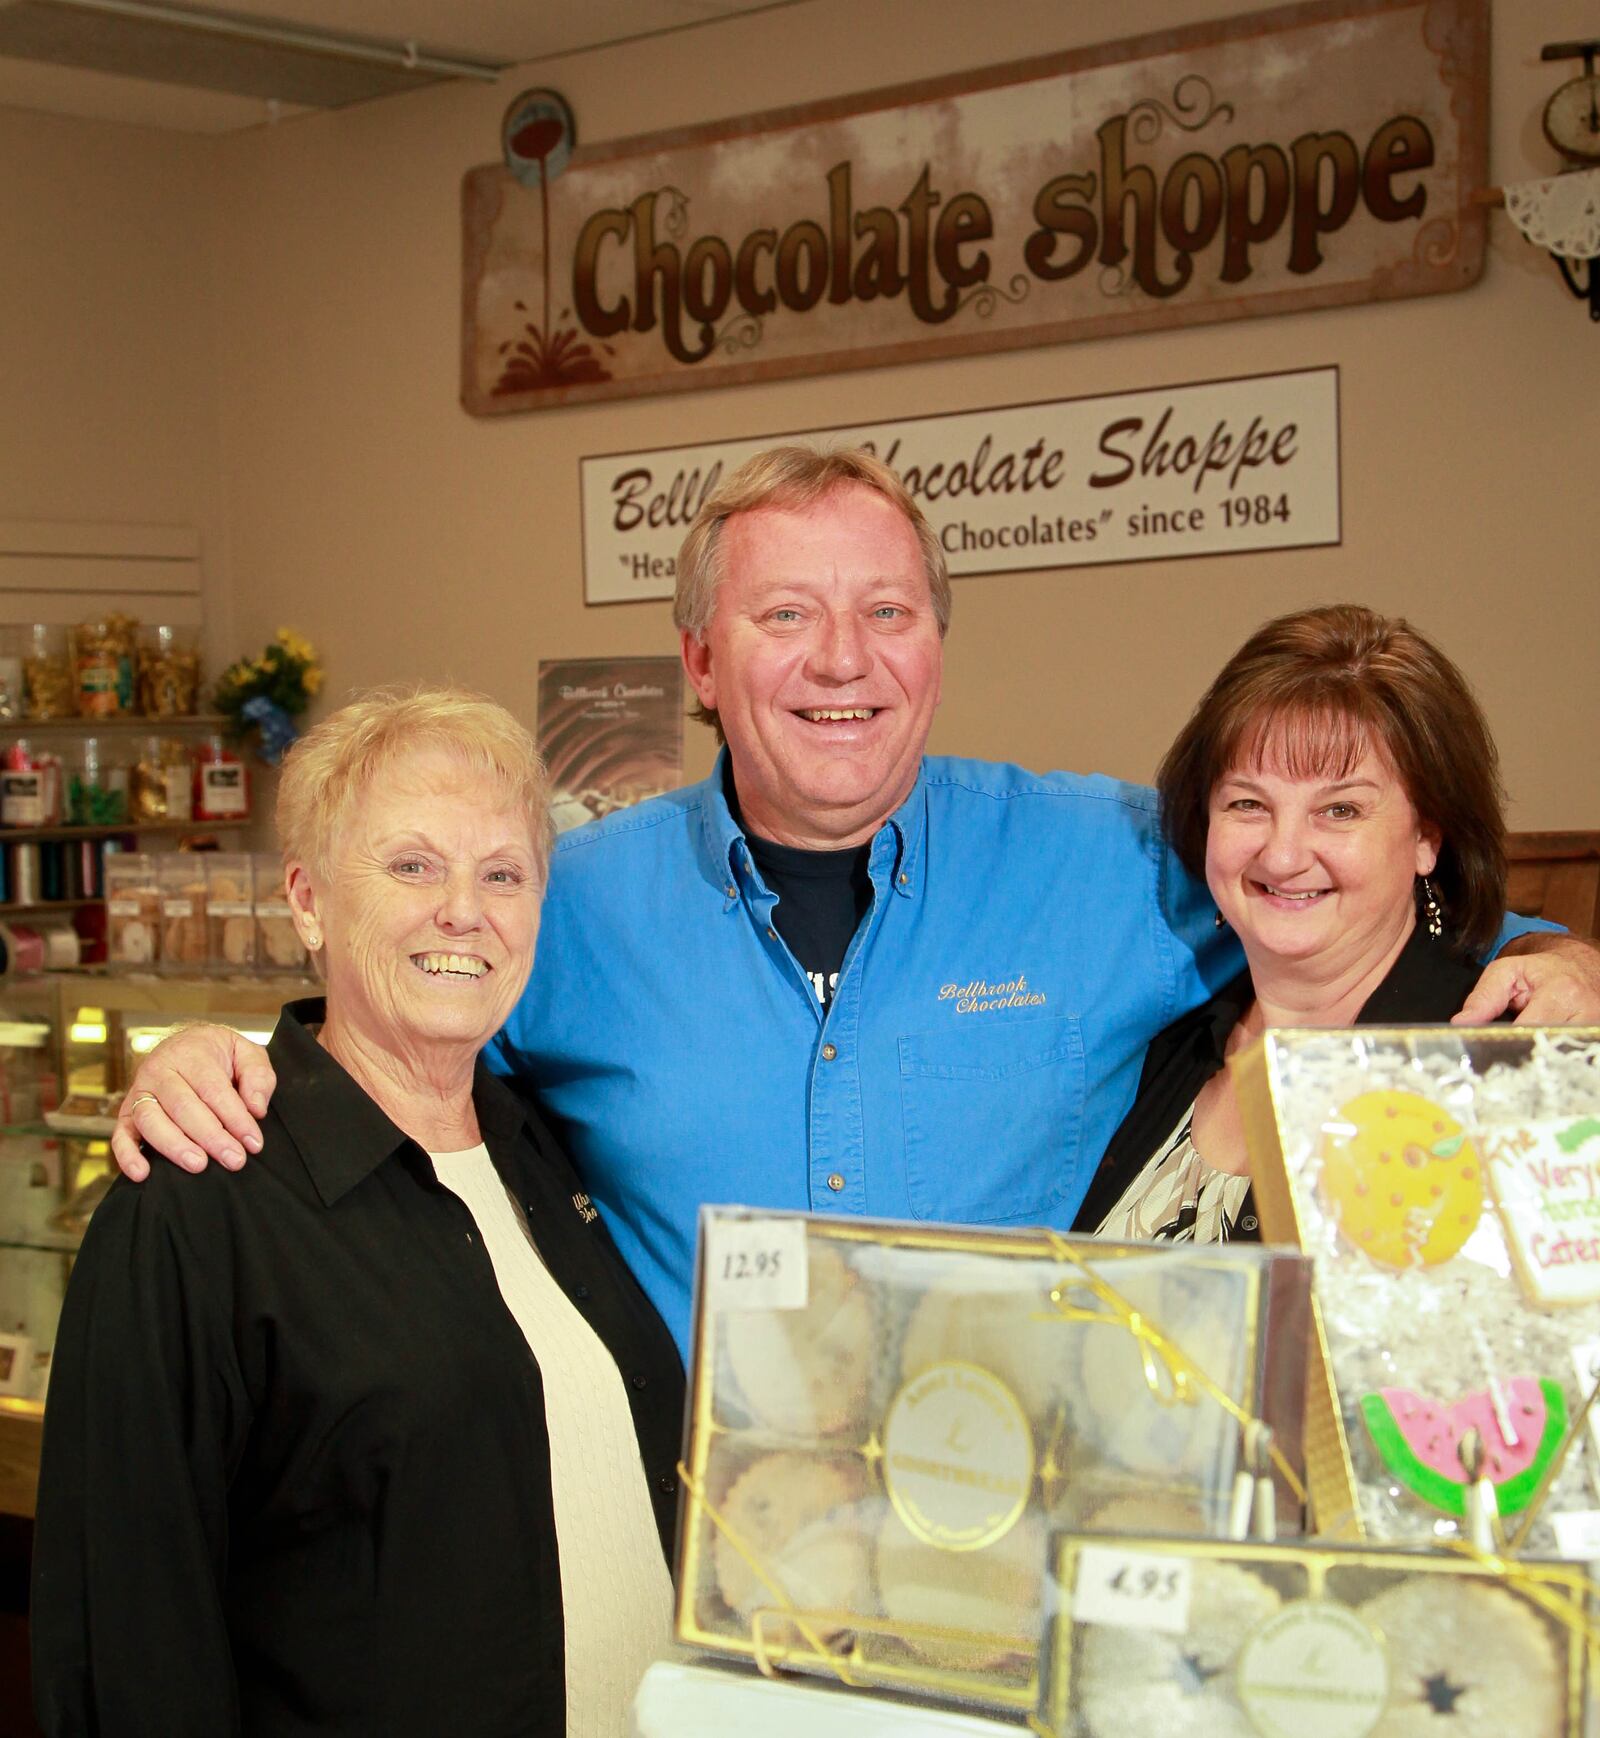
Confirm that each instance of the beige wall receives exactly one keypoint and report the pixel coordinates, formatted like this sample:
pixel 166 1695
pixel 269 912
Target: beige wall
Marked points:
pixel 365 508
pixel 108 365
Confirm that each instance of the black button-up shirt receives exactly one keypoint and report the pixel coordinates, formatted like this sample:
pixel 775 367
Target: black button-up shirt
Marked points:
pixel 296 1475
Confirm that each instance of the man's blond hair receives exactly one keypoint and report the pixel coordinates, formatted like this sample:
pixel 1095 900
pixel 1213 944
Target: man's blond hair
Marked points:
pixel 791 476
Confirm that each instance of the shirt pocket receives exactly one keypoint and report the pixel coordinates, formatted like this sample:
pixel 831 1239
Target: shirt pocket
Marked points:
pixel 993 1116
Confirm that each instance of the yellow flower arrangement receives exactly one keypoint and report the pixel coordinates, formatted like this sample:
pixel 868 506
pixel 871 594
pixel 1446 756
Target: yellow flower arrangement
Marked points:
pixel 264 693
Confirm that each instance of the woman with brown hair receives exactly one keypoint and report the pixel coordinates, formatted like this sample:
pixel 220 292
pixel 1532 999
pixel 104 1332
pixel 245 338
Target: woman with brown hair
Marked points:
pixel 1338 788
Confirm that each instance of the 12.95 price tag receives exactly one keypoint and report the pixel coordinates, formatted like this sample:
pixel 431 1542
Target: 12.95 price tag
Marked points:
pixel 1131 1589
pixel 756 1264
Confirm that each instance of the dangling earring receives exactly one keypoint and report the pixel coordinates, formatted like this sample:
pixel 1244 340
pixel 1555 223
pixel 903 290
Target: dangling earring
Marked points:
pixel 1432 911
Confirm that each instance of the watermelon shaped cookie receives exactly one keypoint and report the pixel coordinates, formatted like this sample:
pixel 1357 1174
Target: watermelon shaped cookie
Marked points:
pixel 1420 1440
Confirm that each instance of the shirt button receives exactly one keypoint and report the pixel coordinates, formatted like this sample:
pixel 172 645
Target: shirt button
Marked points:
pixel 772 935
pixel 667 1483
pixel 581 1293
pixel 731 891
pixel 836 1182
pixel 639 1382
pixel 905 880
pixel 828 1052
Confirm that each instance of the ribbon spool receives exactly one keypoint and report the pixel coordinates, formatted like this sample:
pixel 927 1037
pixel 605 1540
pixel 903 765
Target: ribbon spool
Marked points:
pixel 49 946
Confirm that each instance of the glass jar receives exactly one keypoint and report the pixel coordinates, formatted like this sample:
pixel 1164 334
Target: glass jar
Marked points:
pixel 97 792
pixel 104 660
pixel 182 876
pixel 169 672
pixel 230 911
pixel 161 787
pixel 278 944
pixel 30 786
pixel 13 703
pixel 47 686
pixel 221 782
pixel 133 910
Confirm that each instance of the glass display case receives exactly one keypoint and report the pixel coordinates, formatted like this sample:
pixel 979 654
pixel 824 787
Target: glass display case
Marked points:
pixel 68 1045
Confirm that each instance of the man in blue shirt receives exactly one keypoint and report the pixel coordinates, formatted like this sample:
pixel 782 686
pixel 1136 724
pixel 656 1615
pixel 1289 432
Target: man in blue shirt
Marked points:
pixel 838 975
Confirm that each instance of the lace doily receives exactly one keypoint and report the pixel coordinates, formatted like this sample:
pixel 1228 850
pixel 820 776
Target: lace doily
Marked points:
pixel 1561 215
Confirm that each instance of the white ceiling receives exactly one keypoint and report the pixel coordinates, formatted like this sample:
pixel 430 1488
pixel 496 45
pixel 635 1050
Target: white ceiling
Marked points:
pixel 507 32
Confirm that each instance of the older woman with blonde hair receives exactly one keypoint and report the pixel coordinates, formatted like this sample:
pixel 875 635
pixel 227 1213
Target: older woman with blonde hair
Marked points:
pixel 378 1437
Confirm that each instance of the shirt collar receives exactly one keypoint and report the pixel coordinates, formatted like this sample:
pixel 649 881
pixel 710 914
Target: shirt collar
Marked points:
pixel 340 1132
pixel 896 850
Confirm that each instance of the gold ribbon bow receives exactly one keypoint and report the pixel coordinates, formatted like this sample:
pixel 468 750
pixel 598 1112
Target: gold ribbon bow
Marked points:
pixel 1159 1356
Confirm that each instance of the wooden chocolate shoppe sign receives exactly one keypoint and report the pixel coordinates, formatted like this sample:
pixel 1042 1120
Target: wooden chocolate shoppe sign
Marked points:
pixel 1306 157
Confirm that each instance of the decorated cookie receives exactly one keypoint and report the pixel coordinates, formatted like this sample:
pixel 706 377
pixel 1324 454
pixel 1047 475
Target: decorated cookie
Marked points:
pixel 993 1596
pixel 1115 1414
pixel 1465 1661
pixel 1005 1329
pixel 1401 1179
pixel 1419 1440
pixel 1136 1683
pixel 806 1373
pixel 795 1515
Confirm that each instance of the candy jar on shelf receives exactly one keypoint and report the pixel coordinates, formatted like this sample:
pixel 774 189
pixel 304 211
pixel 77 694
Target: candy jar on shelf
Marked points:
pixel 221 782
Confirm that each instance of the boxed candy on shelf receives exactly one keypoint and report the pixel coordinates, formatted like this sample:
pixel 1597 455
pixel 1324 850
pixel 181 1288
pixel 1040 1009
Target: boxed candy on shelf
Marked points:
pixel 133 910
pixel 230 911
pixel 1447 1182
pixel 1175 1636
pixel 887 1420
pixel 278 944
pixel 183 911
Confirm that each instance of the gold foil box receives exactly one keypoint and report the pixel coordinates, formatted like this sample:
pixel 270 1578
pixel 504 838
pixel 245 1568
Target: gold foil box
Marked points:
pixel 886 1421
pixel 1447 1182
pixel 1172 1636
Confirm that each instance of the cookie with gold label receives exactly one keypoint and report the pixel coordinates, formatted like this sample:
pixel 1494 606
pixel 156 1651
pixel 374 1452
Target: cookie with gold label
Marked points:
pixel 1401 1178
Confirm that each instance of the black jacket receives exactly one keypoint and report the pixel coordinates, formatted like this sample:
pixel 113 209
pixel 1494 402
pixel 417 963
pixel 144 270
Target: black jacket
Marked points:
pixel 1428 982
pixel 296 1473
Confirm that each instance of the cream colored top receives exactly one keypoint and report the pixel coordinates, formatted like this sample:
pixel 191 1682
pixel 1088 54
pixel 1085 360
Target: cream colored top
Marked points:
pixel 616 1595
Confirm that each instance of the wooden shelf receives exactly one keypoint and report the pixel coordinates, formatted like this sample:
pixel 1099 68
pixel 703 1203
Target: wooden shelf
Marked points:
pixel 43 905
pixel 10 835
pixel 21 1430
pixel 137 723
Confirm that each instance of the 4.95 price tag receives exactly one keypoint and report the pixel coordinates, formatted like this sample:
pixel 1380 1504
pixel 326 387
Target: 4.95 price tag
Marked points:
pixel 1131 1589
pixel 756 1264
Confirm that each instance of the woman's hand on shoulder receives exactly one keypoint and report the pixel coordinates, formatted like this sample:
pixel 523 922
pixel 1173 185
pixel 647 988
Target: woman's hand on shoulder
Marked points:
pixel 192 1099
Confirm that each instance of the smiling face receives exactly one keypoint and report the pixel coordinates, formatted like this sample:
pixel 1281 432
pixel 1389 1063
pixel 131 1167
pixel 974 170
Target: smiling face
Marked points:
pixel 1317 873
pixel 823 660
pixel 429 910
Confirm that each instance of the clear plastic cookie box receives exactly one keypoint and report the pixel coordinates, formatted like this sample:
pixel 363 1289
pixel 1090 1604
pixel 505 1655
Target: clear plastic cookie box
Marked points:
pixel 1182 1636
pixel 886 1421
pixel 1447 1182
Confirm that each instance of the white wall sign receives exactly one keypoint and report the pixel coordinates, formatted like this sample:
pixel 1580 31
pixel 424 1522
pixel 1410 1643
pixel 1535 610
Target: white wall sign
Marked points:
pixel 1213 468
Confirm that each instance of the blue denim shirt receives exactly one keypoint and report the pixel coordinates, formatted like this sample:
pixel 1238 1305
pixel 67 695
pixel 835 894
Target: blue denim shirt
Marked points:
pixel 1028 936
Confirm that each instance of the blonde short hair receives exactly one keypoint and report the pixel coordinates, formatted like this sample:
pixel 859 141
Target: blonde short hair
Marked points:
pixel 329 768
pixel 791 476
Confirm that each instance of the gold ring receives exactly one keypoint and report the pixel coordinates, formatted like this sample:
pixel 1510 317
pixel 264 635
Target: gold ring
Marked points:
pixel 143 1098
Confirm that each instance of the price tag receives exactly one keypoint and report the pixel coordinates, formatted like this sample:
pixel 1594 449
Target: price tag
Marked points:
pixel 756 1264
pixel 1131 1589
pixel 1578 1534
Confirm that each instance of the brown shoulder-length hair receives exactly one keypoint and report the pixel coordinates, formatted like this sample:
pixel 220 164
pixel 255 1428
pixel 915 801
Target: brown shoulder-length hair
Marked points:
pixel 1305 693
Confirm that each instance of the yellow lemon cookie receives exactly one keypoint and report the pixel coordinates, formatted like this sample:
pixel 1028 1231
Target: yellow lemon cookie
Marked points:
pixel 1401 1178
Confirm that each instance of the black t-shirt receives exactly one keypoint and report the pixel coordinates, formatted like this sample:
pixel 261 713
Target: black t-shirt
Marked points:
pixel 822 897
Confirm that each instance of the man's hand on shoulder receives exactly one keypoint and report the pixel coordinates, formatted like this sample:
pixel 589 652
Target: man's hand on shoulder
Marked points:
pixel 193 1098
pixel 1549 980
